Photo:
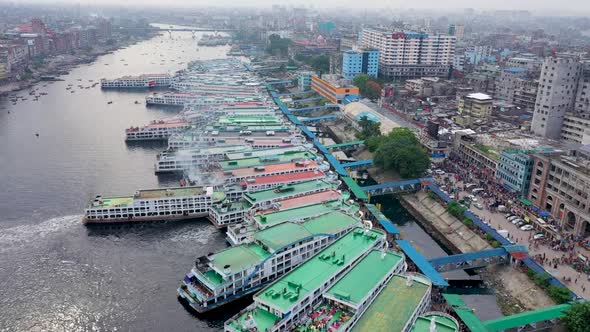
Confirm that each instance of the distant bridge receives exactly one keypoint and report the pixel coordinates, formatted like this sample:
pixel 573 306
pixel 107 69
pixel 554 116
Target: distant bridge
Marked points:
pixel 192 29
pixel 478 259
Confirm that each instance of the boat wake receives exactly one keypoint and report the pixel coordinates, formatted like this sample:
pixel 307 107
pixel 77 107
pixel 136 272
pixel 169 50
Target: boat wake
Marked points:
pixel 198 235
pixel 20 236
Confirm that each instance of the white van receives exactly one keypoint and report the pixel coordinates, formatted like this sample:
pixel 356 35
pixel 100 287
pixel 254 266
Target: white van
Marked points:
pixel 541 221
pixel 477 191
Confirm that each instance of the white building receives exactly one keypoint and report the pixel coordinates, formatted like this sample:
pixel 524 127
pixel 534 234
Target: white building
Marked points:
pixel 411 54
pixel 556 94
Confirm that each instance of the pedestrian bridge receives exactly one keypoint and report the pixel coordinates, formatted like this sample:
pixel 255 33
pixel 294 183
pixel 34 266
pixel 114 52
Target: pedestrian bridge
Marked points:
pixel 477 259
pixel 397 187
pixel 533 320
pixel 345 145
pixel 359 164
pixel 296 93
pixel 319 118
pixel 308 109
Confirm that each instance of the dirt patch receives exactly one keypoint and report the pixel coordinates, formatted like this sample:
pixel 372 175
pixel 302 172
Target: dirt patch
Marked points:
pixel 516 292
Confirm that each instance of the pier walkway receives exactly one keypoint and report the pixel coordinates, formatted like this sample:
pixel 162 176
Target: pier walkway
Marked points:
pixel 296 93
pixel 319 118
pixel 478 259
pixel 359 164
pixel 422 263
pixel 532 320
pixel 397 187
pixel 345 146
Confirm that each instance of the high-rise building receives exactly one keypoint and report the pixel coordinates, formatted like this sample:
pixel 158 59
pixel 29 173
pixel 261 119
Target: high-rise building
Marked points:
pixel 411 54
pixel 460 31
pixel 507 82
pixel 556 94
pixel 360 62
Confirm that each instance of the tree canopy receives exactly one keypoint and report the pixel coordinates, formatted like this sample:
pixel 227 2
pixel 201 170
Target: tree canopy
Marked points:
pixel 401 151
pixel 577 317
pixel 369 128
pixel 278 45
pixel 319 63
pixel 368 87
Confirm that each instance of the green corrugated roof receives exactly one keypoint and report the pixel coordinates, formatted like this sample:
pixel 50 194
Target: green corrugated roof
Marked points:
pixel 465 313
pixel 312 274
pixel 525 318
pixel 393 307
pixel 344 144
pixel 266 160
pixel 355 188
pixel 262 319
pixel 330 223
pixel 240 257
pixel 287 190
pixel 303 212
pixel 359 281
pixel 281 235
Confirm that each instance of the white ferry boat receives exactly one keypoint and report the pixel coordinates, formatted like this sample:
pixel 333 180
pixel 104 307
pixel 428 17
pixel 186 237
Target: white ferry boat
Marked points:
pixel 142 81
pixel 217 279
pixel 153 205
pixel 180 160
pixel 180 99
pixel 157 130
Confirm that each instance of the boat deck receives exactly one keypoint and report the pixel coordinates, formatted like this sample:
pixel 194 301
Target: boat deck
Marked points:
pixel 381 316
pixel 170 192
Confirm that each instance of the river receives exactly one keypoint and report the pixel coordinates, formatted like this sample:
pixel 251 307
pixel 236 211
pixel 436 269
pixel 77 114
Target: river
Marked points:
pixel 56 274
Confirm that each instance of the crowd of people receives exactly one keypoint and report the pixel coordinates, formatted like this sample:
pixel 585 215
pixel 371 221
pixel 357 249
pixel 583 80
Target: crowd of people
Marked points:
pixel 566 246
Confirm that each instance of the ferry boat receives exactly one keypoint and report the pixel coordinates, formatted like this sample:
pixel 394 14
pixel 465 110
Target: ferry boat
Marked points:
pixel 180 99
pixel 141 81
pixel 323 287
pixel 219 278
pixel 153 205
pixel 157 130
pixel 181 160
pixel 301 185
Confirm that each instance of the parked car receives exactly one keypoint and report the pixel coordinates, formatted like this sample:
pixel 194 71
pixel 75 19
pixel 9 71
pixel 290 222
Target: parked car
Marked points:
pixel 508 215
pixel 478 205
pixel 520 223
pixel 439 172
pixel 512 218
pixel 471 198
pixel 526 227
pixel 539 236
pixel 516 221
pixel 553 228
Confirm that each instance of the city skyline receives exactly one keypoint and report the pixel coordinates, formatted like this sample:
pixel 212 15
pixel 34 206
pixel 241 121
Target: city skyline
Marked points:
pixel 541 7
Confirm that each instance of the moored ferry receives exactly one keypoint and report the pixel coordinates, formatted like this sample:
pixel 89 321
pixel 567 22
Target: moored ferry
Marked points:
pixel 180 99
pixel 153 205
pixel 157 130
pixel 219 278
pixel 142 81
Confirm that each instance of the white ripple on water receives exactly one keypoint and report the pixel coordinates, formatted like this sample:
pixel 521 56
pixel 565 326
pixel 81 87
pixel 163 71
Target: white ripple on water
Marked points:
pixel 200 235
pixel 19 236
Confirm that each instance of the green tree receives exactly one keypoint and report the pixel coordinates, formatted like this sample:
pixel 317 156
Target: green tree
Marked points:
pixel 360 81
pixel 401 151
pixel 320 63
pixel 577 317
pixel 277 45
pixel 560 295
pixel 369 128
pixel 455 209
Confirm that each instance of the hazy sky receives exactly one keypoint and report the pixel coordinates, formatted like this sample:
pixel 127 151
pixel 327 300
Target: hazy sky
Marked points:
pixel 572 6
